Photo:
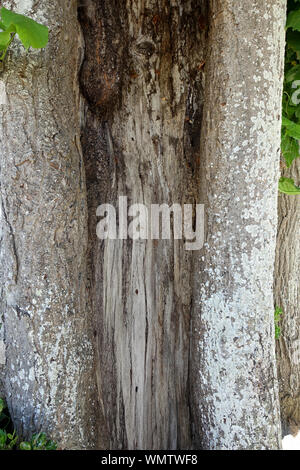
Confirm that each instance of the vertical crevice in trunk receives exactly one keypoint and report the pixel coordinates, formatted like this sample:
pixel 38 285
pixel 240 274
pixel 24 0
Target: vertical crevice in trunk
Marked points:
pixel 287 296
pixel 142 81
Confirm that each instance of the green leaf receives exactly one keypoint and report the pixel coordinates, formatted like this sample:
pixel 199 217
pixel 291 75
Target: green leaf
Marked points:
pixel 292 129
pixel 289 149
pixel 51 445
pixel 25 446
pixel 287 186
pixel 288 108
pixel 293 74
pixel 2 26
pixel 39 440
pixel 31 33
pixel 3 436
pixel 293 41
pixel 293 20
pixel 4 39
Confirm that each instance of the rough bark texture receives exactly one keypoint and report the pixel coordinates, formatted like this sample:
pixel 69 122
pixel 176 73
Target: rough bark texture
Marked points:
pixel 287 296
pixel 62 289
pixel 49 353
pixel 142 79
pixel 234 377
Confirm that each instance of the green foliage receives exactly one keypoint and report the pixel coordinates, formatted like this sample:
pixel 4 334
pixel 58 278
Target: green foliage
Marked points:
pixel 291 128
pixel 4 416
pixel 287 186
pixel 38 442
pixel 8 437
pixel 9 440
pixel 291 95
pixel 31 33
pixel 277 314
pixel 289 148
pixel 293 20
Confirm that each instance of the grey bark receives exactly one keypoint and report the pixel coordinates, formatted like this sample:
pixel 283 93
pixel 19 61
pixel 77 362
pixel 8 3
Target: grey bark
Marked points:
pixel 234 398
pixel 287 289
pixel 49 356
pixel 142 79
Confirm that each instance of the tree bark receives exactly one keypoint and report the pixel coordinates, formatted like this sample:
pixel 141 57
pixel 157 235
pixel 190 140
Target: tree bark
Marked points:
pixel 234 383
pixel 287 291
pixel 49 355
pixel 96 334
pixel 142 79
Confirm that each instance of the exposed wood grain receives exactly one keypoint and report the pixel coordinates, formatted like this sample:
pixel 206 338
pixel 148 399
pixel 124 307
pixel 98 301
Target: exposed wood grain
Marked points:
pixel 138 142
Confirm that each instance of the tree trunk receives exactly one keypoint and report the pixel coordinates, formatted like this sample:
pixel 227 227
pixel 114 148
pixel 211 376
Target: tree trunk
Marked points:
pixel 96 339
pixel 234 397
pixel 287 292
pixel 49 355
pixel 142 79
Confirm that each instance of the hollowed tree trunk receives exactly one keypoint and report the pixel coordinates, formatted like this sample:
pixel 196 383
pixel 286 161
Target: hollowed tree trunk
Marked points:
pixel 62 289
pixel 142 79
